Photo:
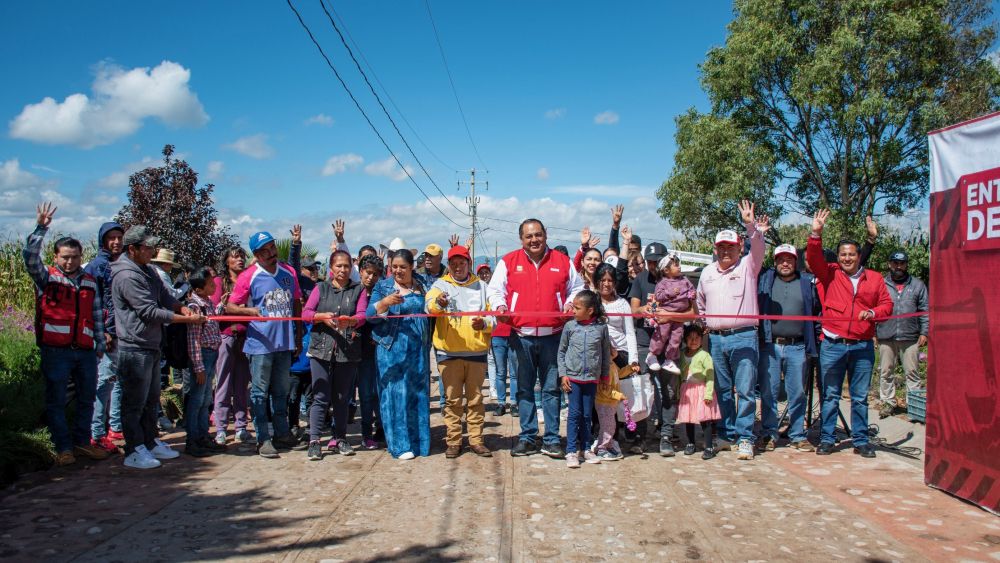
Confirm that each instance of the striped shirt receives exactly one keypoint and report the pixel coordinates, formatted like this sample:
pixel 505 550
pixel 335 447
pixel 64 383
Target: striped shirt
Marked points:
pixel 201 336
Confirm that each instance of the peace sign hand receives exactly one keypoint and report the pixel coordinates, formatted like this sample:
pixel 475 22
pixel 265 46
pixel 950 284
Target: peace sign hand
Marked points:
pixel 45 213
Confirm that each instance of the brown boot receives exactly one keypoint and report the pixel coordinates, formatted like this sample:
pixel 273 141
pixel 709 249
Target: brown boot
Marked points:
pixel 481 450
pixel 92 452
pixel 452 452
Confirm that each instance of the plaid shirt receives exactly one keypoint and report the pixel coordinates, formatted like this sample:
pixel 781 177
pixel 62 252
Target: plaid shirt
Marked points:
pixel 32 255
pixel 201 336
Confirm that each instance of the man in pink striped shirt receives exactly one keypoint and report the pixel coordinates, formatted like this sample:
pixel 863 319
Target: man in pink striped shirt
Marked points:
pixel 728 287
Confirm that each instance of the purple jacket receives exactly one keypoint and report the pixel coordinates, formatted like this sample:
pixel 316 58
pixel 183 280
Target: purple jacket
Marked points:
pixel 674 294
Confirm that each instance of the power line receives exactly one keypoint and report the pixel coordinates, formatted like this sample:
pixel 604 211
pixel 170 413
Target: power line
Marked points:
pixel 385 91
pixel 364 114
pixel 322 4
pixel 452 82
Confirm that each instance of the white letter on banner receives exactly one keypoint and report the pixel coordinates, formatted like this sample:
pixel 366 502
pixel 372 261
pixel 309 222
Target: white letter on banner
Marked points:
pixel 970 195
pixel 975 217
pixel 993 222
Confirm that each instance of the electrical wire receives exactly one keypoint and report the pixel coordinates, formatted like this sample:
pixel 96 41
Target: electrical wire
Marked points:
pixel 343 40
pixel 365 115
pixel 385 90
pixel 452 82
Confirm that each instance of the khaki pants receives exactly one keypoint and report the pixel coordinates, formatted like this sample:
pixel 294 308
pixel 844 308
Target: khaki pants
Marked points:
pixel 463 378
pixel 889 353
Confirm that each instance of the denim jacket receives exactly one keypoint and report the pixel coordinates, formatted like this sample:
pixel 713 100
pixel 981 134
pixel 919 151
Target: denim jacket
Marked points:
pixel 810 305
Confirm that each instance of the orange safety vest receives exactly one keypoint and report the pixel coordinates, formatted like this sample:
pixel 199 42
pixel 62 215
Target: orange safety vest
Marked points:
pixel 64 313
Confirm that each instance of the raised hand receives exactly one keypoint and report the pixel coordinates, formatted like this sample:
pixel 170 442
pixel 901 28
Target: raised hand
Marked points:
pixel 819 221
pixel 468 242
pixel 45 213
pixel 593 242
pixel 763 224
pixel 338 230
pixel 746 211
pixel 585 237
pixel 296 234
pixel 626 236
pixel 872 227
pixel 616 214
pixel 453 240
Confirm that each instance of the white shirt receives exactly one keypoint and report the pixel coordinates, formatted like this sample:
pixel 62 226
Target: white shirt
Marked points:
pixel 622 329
pixel 497 294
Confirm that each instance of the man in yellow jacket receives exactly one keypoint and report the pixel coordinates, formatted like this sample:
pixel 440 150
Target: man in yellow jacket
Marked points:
pixel 462 343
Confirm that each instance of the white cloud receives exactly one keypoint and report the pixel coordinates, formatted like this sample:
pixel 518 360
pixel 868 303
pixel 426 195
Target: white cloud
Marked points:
pixel 45 169
pixel 119 178
pixel 388 168
pixel 254 146
pixel 214 169
pixel 603 190
pixel 542 174
pixel 341 163
pixel 20 193
pixel 606 118
pixel 320 119
pixel 121 100
pixel 994 58
pixel 556 113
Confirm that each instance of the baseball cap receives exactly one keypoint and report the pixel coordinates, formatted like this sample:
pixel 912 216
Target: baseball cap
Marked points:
pixel 654 252
pixel 139 234
pixel 899 256
pixel 455 251
pixel 314 265
pixel 257 240
pixel 786 249
pixel 727 236
pixel 480 267
pixel 436 250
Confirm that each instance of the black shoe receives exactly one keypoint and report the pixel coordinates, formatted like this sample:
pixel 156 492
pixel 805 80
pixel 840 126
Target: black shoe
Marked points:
pixel 825 448
pixel 499 410
pixel 344 447
pixel 195 450
pixel 523 448
pixel 513 410
pixel 379 435
pixel 709 453
pixel 667 448
pixel 866 450
pixel 689 449
pixel 555 451
pixel 285 442
pixel 209 445
pixel 267 450
pixel 315 451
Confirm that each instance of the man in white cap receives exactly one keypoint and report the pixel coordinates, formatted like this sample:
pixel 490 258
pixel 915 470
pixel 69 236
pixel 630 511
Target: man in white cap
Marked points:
pixel 784 291
pixel 728 288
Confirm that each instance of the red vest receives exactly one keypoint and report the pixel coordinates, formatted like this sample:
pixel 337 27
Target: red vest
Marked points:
pixel 64 314
pixel 541 289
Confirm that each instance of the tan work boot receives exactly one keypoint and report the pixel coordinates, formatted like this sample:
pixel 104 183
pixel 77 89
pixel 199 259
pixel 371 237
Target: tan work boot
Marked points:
pixel 65 458
pixel 91 452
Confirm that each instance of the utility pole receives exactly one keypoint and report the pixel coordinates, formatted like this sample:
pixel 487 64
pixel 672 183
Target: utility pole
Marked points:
pixel 473 201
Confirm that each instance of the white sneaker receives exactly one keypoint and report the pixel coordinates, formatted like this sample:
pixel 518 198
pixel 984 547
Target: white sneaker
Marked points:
pixel 671 367
pixel 652 362
pixel 141 459
pixel 220 437
pixel 163 451
pixel 745 450
pixel 406 455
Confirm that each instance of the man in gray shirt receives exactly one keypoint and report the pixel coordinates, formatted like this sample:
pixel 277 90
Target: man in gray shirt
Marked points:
pixel 901 338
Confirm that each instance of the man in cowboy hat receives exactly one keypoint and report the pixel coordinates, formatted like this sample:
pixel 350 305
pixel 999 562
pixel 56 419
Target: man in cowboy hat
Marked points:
pixel 163 264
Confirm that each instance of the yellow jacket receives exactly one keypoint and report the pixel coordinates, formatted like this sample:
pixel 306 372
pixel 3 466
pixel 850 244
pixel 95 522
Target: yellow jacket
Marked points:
pixel 454 335
pixel 610 394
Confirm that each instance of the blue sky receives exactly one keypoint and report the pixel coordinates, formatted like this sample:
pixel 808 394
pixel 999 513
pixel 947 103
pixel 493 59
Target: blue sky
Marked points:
pixel 571 105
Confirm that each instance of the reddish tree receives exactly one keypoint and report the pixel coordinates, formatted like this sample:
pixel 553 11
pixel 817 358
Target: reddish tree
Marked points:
pixel 167 200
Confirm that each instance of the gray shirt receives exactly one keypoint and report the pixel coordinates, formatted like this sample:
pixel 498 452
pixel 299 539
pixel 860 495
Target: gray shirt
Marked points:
pixel 786 299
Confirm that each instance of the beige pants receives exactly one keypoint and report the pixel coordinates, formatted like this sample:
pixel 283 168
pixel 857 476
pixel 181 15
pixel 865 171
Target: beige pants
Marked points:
pixel 890 352
pixel 463 378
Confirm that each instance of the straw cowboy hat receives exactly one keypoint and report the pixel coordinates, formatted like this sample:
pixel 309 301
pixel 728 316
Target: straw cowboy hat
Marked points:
pixel 164 256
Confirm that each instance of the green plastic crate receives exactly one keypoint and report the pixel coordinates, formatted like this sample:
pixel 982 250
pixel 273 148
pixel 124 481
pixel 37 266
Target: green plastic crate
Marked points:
pixel 916 405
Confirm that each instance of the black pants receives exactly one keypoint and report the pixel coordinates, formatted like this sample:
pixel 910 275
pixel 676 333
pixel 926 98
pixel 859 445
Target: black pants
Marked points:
pixel 707 430
pixel 138 371
pixel 299 384
pixel 338 376
pixel 666 390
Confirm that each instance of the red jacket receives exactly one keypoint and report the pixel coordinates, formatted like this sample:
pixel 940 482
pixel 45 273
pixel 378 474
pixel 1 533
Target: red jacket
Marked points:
pixel 840 300
pixel 541 289
pixel 65 313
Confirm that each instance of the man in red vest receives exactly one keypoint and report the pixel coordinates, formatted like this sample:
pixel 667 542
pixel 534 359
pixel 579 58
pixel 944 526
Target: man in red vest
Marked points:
pixel 535 279
pixel 69 329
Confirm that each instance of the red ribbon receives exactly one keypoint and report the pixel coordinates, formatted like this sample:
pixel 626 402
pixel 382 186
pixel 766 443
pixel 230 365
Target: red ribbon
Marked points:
pixel 549 314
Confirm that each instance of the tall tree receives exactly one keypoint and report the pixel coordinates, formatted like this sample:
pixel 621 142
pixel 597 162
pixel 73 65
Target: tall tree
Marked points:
pixel 167 199
pixel 827 103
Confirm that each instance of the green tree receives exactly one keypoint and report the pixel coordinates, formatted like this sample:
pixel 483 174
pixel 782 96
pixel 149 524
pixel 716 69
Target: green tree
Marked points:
pixel 827 103
pixel 167 200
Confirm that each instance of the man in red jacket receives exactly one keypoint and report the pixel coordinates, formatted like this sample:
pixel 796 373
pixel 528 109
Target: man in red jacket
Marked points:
pixel 853 297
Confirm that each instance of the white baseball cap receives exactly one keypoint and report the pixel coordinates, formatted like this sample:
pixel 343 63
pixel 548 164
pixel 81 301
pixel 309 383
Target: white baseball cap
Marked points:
pixel 786 249
pixel 727 236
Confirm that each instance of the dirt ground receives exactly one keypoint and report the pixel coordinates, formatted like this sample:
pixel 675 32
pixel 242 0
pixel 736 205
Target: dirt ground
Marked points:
pixel 784 505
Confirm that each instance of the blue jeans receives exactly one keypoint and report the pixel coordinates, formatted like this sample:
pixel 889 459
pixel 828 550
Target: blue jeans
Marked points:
pixel 506 364
pixel 735 360
pixel 59 365
pixel 108 399
pixel 578 419
pixel 536 362
pixel 855 361
pixel 199 398
pixel 368 393
pixel 776 359
pixel 269 379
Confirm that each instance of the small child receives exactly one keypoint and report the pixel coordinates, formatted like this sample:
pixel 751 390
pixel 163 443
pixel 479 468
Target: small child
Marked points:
pixel 584 358
pixel 674 293
pixel 203 342
pixel 697 403
pixel 608 396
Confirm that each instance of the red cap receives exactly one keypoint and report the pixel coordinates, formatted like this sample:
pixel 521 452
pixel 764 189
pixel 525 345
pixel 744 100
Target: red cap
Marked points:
pixel 459 251
pixel 481 266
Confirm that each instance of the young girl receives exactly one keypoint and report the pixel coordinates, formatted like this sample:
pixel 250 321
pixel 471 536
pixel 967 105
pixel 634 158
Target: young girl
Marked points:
pixel 674 293
pixel 697 395
pixel 584 358
pixel 625 354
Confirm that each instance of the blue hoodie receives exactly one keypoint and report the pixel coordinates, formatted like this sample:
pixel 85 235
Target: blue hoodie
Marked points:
pixel 100 269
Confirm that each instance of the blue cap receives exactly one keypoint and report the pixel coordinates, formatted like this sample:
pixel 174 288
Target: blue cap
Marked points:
pixel 258 240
